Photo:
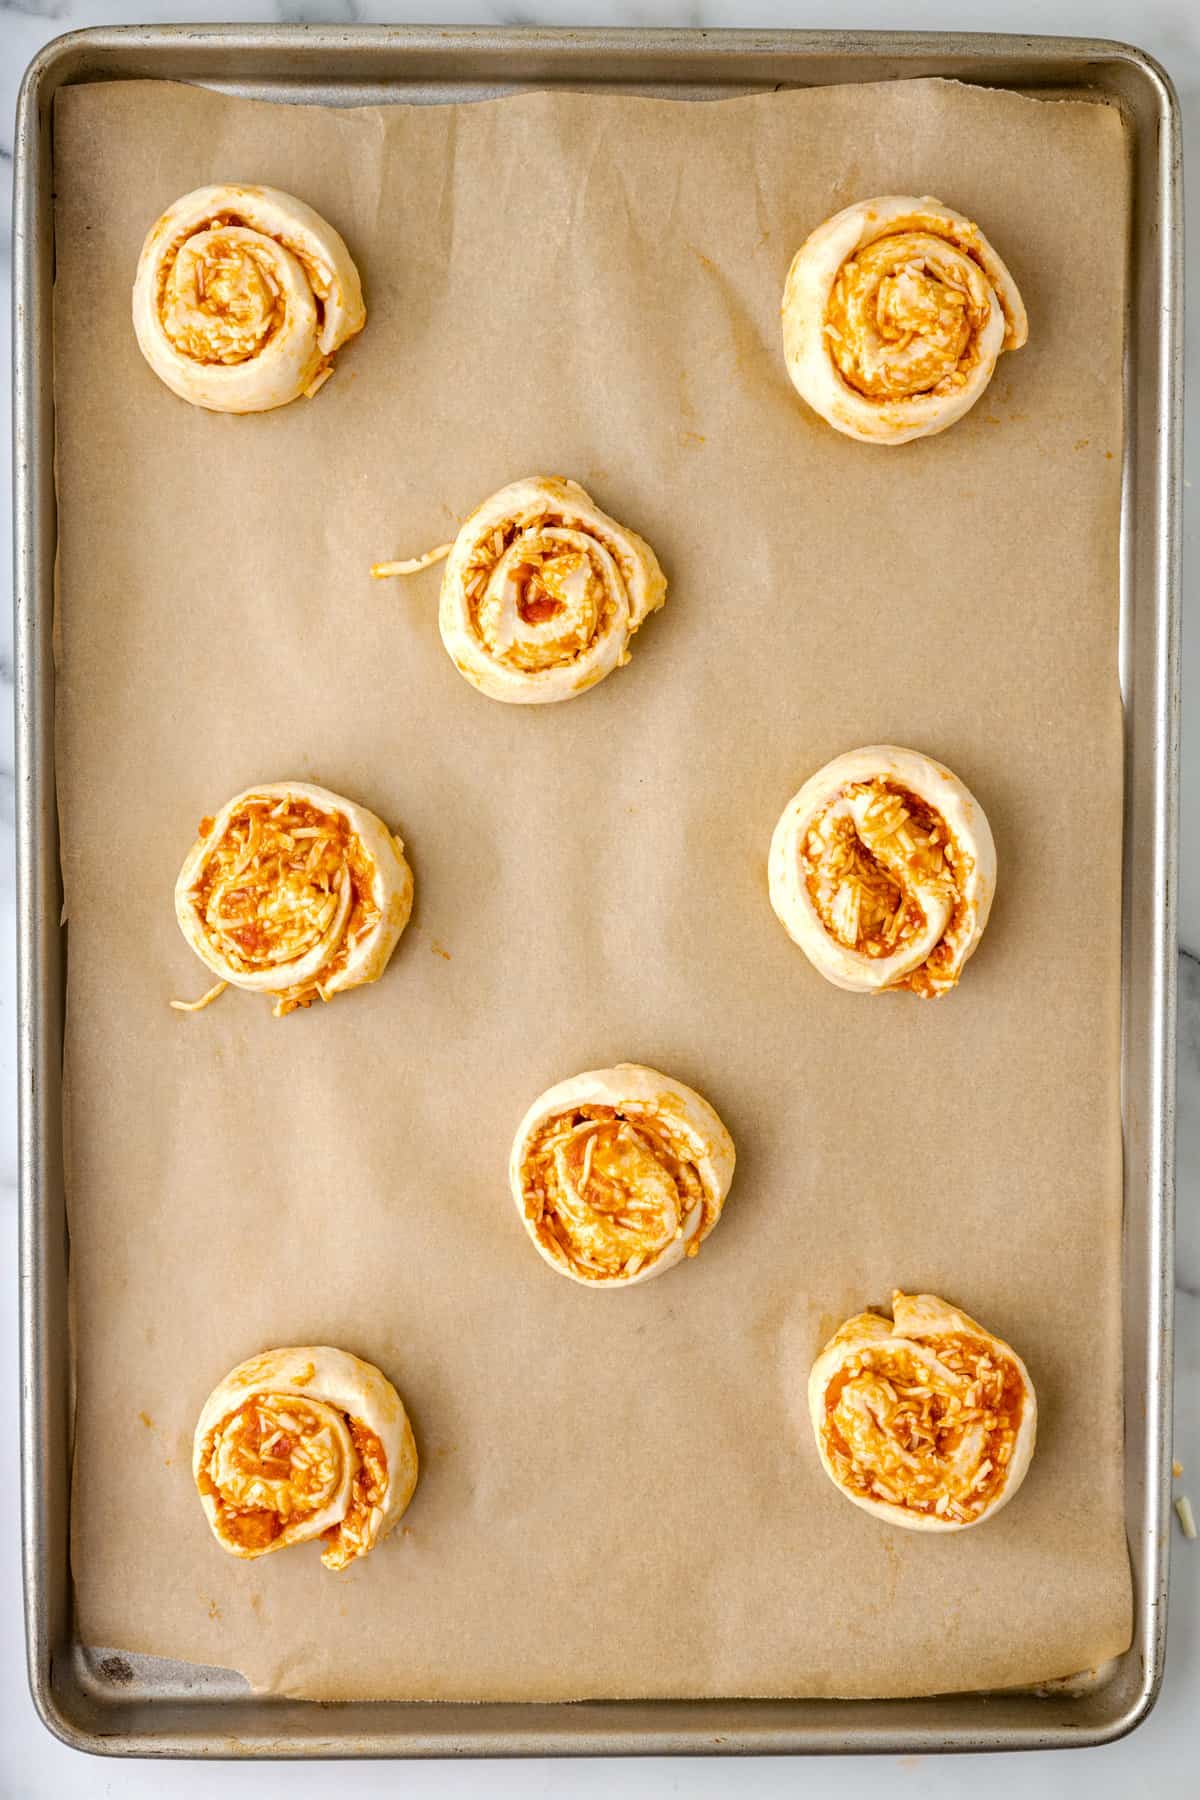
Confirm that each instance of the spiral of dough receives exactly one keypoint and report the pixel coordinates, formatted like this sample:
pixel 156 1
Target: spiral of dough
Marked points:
pixel 542 592
pixel 304 1443
pixel 882 868
pixel 242 296
pixel 619 1173
pixel 894 313
pixel 926 1419
pixel 295 892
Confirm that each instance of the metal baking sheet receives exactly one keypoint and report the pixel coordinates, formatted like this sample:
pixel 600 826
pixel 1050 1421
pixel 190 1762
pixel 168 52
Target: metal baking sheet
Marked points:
pixel 128 1705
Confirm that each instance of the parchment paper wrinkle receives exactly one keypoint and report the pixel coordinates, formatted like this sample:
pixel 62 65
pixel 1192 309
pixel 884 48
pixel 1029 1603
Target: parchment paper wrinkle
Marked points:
pixel 619 1494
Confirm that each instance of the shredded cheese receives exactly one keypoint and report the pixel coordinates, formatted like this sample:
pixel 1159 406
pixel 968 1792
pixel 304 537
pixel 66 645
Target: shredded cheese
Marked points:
pixel 540 590
pixel 874 860
pixel 1187 1518
pixel 285 1466
pixel 286 884
pixel 318 381
pixel 411 565
pixel 542 595
pixel 221 300
pixel 192 1006
pixel 609 1192
pixel 906 313
pixel 933 1433
pixel 360 1525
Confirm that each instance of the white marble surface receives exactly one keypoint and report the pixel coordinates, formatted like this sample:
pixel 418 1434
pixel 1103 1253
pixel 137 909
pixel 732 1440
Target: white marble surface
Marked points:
pixel 1165 1753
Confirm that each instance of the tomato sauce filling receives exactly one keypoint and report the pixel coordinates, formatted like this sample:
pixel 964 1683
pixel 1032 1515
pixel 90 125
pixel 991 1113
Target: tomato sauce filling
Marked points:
pixel 270 890
pixel 933 1441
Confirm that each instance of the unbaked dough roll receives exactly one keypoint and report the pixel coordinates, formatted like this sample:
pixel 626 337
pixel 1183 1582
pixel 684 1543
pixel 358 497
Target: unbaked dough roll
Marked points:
pixel 294 892
pixel 926 1419
pixel 242 296
pixel 619 1173
pixel 542 592
pixel 894 312
pixel 882 869
pixel 299 1444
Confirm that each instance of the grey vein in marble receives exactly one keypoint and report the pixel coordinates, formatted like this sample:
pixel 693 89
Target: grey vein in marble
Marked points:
pixel 37 9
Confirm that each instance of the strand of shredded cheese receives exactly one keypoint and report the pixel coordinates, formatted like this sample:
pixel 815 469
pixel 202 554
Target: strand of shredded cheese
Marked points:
pixel 190 1006
pixel 413 565
pixel 318 381
pixel 1187 1517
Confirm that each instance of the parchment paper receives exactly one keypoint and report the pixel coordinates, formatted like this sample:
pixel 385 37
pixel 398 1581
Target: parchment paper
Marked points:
pixel 619 1495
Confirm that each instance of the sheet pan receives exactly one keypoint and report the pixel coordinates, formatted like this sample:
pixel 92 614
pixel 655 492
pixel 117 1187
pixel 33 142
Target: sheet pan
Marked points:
pixel 110 1701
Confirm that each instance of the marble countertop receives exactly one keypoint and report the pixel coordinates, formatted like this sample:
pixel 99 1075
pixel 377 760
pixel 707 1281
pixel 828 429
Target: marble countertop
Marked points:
pixel 1165 1752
